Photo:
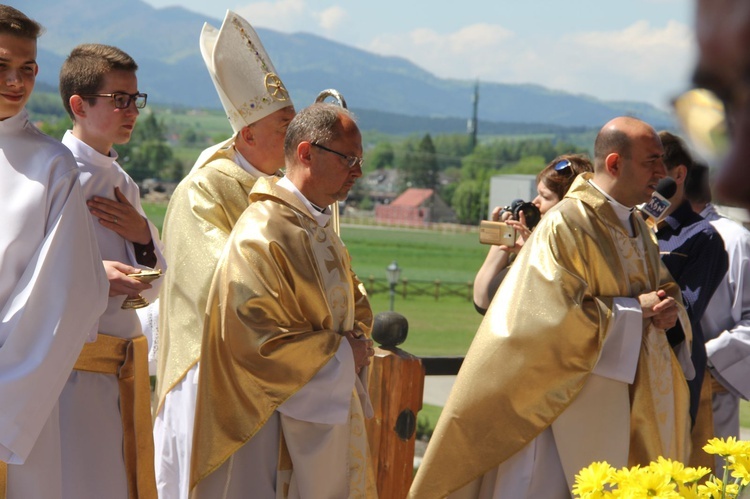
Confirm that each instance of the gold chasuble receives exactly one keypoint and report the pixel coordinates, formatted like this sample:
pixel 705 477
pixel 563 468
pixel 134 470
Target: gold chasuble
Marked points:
pixel 541 338
pixel 282 296
pixel 201 214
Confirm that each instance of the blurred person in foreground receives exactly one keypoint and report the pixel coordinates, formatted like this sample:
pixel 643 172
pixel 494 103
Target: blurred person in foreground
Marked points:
pixel 571 364
pixel 53 286
pixel 694 254
pixel 726 320
pixel 202 212
pixel 281 393
pixel 552 184
pixel 723 68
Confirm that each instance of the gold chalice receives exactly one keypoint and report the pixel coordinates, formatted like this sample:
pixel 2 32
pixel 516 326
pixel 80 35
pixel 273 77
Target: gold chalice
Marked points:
pixel 143 276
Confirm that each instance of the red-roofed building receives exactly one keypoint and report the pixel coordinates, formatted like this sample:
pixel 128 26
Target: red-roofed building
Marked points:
pixel 415 207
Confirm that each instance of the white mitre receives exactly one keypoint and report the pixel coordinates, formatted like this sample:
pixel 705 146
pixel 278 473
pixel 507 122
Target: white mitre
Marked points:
pixel 242 72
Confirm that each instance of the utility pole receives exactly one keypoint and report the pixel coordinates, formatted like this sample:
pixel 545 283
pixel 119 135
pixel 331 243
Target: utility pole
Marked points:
pixel 473 122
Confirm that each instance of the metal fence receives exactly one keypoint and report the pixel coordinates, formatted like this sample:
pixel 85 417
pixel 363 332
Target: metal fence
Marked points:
pixel 436 288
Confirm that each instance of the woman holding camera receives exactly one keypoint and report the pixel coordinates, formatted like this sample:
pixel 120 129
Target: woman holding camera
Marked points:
pixel 553 183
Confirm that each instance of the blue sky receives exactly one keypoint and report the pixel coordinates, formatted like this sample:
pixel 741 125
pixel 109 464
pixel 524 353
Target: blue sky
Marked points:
pixel 625 50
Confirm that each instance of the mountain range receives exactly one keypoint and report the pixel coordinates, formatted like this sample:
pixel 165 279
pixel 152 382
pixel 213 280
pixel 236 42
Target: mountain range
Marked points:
pixel 164 42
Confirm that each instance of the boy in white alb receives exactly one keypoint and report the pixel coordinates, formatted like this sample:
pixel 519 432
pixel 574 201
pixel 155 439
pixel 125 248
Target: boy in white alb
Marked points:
pixel 107 443
pixel 52 284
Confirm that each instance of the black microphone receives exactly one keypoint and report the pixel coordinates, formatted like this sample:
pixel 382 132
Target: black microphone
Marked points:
pixel 659 202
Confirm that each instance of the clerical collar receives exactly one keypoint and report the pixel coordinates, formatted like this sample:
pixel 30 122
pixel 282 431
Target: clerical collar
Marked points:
pixel 320 216
pixel 321 210
pixel 245 165
pixel 621 211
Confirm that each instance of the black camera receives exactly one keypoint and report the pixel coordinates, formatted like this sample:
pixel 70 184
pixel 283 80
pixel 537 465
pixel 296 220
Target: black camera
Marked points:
pixel 530 211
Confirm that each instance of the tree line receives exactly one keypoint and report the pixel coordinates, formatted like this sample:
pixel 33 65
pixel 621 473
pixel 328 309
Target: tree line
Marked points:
pixel 446 163
pixel 459 173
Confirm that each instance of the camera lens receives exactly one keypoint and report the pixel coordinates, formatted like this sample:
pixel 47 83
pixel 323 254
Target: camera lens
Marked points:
pixel 530 212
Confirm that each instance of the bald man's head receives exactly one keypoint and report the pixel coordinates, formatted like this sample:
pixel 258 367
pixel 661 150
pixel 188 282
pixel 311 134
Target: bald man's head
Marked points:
pixel 617 137
pixel 628 160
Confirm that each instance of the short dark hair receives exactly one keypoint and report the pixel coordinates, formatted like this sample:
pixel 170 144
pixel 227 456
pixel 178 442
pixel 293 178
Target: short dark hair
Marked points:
pixel 15 22
pixel 316 124
pixel 675 151
pixel 560 182
pixel 697 188
pixel 83 71
pixel 610 141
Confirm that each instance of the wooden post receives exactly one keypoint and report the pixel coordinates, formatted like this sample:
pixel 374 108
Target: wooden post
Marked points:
pixel 405 283
pixel 396 384
pixel 437 289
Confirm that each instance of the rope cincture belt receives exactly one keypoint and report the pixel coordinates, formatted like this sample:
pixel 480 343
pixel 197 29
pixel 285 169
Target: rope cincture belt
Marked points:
pixel 128 360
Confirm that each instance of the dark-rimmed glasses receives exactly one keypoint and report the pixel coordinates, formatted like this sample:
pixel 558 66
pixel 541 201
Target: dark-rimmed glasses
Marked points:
pixel 564 165
pixel 351 161
pixel 122 100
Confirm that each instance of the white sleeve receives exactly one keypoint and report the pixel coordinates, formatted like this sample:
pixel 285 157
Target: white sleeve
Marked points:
pixel 729 353
pixel 54 306
pixel 326 398
pixel 618 359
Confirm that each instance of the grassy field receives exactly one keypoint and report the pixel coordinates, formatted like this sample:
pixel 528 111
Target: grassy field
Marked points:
pixel 155 213
pixel 436 327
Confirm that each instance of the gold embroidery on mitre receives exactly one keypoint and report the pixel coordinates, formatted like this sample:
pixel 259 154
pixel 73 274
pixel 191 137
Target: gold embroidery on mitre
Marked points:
pixel 275 87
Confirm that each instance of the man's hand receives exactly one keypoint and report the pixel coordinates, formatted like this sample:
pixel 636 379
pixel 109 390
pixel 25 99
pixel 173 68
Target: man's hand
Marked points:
pixel 120 283
pixel 661 309
pixel 120 216
pixel 362 349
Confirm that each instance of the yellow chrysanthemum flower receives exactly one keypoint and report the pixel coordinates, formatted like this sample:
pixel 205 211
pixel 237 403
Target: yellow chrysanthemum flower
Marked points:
pixel 592 480
pixel 725 448
pixel 710 490
pixel 623 477
pixel 689 491
pixel 657 484
pixel 713 489
pixel 679 473
pixel 740 466
pixel 692 475
pixel 667 479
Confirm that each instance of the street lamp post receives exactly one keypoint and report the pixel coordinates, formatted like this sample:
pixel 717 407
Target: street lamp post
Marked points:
pixel 393 271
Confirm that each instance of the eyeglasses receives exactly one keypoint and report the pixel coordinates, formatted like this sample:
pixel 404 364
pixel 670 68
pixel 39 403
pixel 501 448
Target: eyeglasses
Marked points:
pixel 351 161
pixel 122 100
pixel 563 166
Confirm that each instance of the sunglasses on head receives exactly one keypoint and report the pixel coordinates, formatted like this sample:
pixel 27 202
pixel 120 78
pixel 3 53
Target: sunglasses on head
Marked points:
pixel 563 165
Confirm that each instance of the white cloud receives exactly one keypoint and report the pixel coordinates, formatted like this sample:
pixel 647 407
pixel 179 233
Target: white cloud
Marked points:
pixel 454 55
pixel 282 15
pixel 331 18
pixel 638 62
pixel 292 15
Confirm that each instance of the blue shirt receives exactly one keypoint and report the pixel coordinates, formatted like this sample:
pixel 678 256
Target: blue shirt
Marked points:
pixel 694 254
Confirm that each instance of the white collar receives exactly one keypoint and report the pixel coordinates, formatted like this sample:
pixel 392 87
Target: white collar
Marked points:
pixel 623 212
pixel 321 218
pixel 16 121
pixel 245 165
pixel 86 153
